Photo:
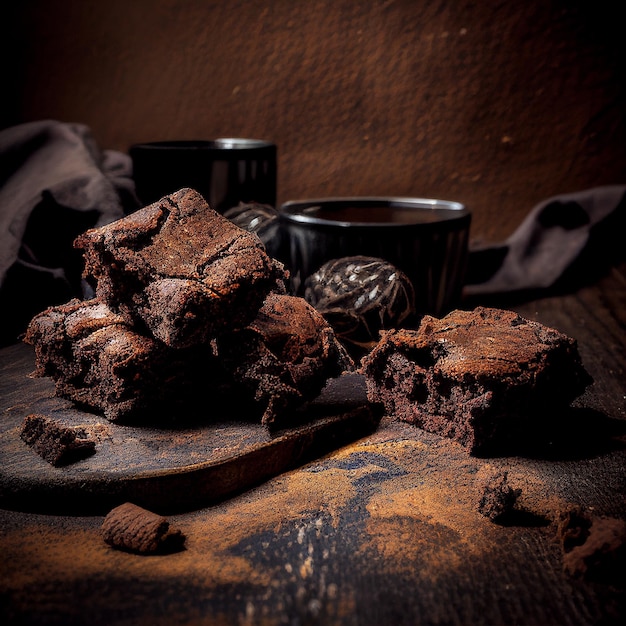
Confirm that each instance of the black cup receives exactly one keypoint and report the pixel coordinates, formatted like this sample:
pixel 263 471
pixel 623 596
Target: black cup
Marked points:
pixel 225 171
pixel 424 238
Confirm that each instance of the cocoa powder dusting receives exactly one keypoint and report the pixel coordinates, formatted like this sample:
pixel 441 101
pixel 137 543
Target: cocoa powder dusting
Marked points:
pixel 394 505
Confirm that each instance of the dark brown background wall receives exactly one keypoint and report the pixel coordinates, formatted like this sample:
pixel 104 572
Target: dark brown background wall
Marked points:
pixel 495 103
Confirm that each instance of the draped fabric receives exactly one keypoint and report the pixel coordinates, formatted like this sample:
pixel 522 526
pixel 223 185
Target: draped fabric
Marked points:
pixel 55 183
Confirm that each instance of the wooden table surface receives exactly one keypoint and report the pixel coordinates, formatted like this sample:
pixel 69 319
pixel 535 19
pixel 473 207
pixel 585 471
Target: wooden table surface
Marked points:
pixel 384 530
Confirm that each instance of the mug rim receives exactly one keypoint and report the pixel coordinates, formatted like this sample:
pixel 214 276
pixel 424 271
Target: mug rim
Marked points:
pixel 294 211
pixel 222 145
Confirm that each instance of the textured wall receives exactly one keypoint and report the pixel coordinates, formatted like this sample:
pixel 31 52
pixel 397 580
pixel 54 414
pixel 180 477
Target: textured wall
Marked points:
pixel 496 104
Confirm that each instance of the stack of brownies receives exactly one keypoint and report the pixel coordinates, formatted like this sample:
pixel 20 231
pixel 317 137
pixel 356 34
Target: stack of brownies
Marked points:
pixel 188 309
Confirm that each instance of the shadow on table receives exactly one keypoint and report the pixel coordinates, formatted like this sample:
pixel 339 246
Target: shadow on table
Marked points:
pixel 577 433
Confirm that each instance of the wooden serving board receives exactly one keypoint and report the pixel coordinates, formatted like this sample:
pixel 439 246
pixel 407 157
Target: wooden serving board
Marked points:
pixel 169 469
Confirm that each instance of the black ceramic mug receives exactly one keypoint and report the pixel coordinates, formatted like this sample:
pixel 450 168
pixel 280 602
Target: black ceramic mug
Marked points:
pixel 225 171
pixel 427 239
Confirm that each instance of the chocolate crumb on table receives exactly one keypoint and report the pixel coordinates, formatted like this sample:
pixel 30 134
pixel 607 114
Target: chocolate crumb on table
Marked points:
pixel 131 528
pixel 572 527
pixel 58 444
pixel 480 377
pixel 497 497
pixel 594 546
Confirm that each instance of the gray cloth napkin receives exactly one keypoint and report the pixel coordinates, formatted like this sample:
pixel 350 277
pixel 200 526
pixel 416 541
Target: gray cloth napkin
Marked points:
pixel 54 183
pixel 564 242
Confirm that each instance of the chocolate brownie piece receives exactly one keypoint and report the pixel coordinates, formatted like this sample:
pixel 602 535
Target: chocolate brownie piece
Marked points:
pixel 53 332
pixel 284 357
pixel 98 361
pixel 131 528
pixel 475 376
pixel 56 443
pixel 180 269
pixel 593 546
pixel 497 497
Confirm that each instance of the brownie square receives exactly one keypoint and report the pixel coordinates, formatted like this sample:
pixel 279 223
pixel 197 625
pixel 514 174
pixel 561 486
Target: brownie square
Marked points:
pixel 284 357
pixel 97 361
pixel 180 269
pixel 478 377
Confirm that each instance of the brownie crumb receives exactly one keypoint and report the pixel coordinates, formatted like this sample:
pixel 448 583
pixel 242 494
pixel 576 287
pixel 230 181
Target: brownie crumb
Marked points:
pixel 58 444
pixel 594 547
pixel 498 498
pixel 132 528
pixel 572 527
